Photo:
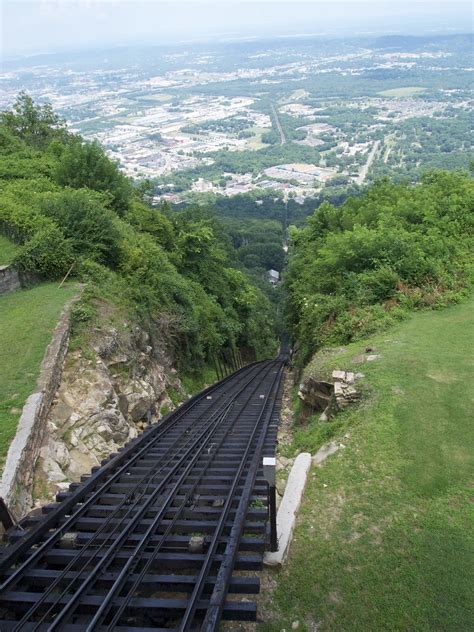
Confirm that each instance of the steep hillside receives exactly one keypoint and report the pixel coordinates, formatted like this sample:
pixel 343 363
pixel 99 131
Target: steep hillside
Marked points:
pixel 163 294
pixel 70 210
pixel 363 266
pixel 385 537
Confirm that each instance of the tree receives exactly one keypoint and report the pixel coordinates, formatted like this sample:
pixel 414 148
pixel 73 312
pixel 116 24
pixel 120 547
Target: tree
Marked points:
pixel 88 226
pixel 38 125
pixel 87 165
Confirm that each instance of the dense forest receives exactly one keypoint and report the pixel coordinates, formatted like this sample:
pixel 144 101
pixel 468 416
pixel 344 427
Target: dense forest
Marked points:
pixel 68 206
pixel 361 266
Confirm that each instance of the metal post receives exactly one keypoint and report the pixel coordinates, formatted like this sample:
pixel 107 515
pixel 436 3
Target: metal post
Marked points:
pixel 269 473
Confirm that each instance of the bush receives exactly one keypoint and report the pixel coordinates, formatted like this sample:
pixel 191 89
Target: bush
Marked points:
pixel 357 268
pixel 81 313
pixel 47 253
pixel 86 165
pixel 86 222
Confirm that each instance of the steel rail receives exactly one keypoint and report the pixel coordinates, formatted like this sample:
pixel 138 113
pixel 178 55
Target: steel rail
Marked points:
pixel 104 525
pixel 150 561
pixel 96 535
pixel 141 514
pixel 216 602
pixel 125 532
pixel 32 537
pixel 208 430
pixel 188 617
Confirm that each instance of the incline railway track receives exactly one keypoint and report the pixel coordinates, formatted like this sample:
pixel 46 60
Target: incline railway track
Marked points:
pixel 156 538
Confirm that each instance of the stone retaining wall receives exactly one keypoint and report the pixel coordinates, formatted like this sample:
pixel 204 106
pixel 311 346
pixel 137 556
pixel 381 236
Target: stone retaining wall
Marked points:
pixel 16 485
pixel 9 279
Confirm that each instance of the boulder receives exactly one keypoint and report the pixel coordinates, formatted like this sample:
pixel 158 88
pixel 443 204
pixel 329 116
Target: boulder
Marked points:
pixel 107 343
pixel 316 393
pixel 54 473
pixel 58 452
pixel 82 461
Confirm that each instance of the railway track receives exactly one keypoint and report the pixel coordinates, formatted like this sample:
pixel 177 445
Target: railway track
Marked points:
pixel 156 538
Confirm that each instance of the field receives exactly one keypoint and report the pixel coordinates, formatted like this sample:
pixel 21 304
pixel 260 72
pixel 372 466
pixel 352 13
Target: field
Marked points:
pixel 8 251
pixel 256 141
pixel 403 92
pixel 385 539
pixel 27 320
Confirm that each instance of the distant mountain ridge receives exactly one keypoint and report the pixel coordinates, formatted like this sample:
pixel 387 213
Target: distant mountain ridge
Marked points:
pixel 416 42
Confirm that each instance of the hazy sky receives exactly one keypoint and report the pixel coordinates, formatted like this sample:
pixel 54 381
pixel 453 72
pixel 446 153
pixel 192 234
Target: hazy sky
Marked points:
pixel 29 26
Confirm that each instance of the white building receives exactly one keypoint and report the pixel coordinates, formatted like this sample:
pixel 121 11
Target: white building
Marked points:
pixel 273 277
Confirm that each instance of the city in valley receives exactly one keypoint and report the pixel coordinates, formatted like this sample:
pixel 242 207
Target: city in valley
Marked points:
pixel 249 117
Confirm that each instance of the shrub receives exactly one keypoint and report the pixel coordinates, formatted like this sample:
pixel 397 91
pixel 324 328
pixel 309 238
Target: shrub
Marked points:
pixel 86 165
pixel 356 268
pixel 86 222
pixel 47 253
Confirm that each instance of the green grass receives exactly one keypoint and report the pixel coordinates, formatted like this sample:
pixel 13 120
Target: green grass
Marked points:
pixel 27 320
pixel 193 383
pixel 8 251
pixel 409 91
pixel 385 539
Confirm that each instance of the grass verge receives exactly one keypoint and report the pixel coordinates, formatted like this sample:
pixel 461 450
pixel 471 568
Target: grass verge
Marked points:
pixel 385 537
pixel 27 320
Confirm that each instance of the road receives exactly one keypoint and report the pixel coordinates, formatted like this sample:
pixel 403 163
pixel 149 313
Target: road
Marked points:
pixel 364 170
pixel 278 124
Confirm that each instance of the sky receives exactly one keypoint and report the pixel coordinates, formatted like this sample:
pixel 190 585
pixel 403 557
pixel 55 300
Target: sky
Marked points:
pixel 38 26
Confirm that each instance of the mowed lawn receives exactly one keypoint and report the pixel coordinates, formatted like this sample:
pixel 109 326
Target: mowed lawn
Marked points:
pixel 8 251
pixel 385 539
pixel 27 320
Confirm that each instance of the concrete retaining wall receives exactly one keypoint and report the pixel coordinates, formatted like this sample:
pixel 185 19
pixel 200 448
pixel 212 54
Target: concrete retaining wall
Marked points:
pixel 16 485
pixel 9 279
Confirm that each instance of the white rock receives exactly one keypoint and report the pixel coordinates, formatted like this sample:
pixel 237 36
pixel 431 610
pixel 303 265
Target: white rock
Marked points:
pixel 350 377
pixel 52 470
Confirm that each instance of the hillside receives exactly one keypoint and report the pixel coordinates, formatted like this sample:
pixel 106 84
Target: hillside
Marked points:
pixel 385 537
pixel 66 205
pixel 363 266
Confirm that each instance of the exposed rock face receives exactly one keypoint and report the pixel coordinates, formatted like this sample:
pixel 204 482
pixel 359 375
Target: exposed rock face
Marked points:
pixel 101 404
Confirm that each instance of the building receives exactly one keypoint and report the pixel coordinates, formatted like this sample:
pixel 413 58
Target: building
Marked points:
pixel 273 277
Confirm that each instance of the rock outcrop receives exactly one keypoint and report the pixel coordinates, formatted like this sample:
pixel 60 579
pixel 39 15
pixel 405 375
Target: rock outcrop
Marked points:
pixel 102 402
pixel 318 395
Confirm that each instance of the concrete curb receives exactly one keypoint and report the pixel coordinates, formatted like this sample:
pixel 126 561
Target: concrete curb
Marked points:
pixel 286 516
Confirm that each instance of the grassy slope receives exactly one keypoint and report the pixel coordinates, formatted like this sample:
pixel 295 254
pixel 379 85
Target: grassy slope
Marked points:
pixel 8 251
pixel 386 534
pixel 27 320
